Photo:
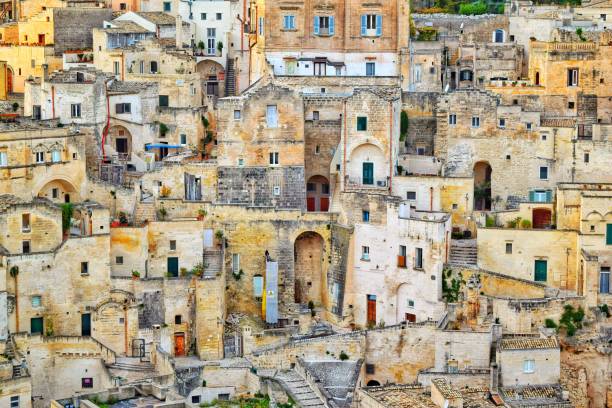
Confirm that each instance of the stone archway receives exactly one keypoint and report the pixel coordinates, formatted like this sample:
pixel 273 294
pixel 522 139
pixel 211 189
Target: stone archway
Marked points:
pixel 317 194
pixel 212 76
pixel 120 139
pixel 308 257
pixel 482 186
pixel 373 383
pixel 367 166
pixel 59 191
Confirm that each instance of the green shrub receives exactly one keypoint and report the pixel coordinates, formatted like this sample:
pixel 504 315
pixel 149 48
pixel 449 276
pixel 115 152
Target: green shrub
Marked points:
pixel 427 34
pixel 525 224
pixel 605 309
pixel 471 9
pixel 67 210
pixel 343 356
pixel 490 222
pixel 403 125
pixel 550 324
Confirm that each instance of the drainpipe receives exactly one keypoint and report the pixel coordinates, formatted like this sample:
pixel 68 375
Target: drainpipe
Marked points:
pixel 431 198
pixel 52 102
pixel 390 147
pixel 106 128
pixel 344 153
pixel 125 329
pixel 251 46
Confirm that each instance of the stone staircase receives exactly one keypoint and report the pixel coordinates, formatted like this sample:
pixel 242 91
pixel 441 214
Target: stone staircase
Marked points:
pixel 212 262
pixel 230 78
pixel 144 211
pixel 463 252
pixel 131 364
pixel 299 389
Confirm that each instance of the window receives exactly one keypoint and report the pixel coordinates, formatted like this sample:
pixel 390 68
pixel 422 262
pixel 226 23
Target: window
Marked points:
pixel 75 110
pixel 202 16
pixel 164 101
pixel 115 68
pixel 3 159
pixel 602 17
pixel 570 105
pixel 235 264
pixel 311 187
pixel 315 115
pixel 276 191
pixel 119 260
pixel 418 69
pixel 543 172
pixel 172 245
pixel 219 16
pixel 195 399
pixel 271 116
pixel 15 401
pixel 466 75
pixel 401 257
pixel 365 216
pixel 475 121
pixel 289 22
pixel 25 247
pixel 572 77
pixel 544 137
pixel 452 119
pixel 167 6
pixel 241 162
pixel 56 156
pixel 237 114
pixel 153 67
pixel 410 303
pixel 418 258
pixel 420 151
pixel 508 247
pixel 604 279
pixel 25 222
pixel 260 25
pixel 274 158
pixel 371 24
pixel 84 268
pixel 258 282
pixel 410 195
pixel 362 123
pixel 324 25
pixel 36 301
pixel 123 6
pixel 365 253
pixel 370 368
pixel 141 67
pixel 528 366
pixel 87 382
pixel 178 319
pixel 123 108
pixel 540 196
pixel 40 157
pixel 317 149
pixel 325 188
pixel 55 193
pixel 498 36
pixel 528 126
pixel 370 68
pixel 502 123
pixel 586 157
pixel 223 397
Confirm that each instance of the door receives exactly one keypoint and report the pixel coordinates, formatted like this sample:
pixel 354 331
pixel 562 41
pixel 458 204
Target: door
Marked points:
pixel 371 309
pixel 179 344
pixel 608 234
pixel 540 270
pixel 410 317
pixel 212 88
pixel 36 325
pixel 320 68
pixel 121 145
pixel 324 204
pixel 368 173
pixel 310 204
pixel 208 238
pixel 86 324
pixel 41 39
pixel 541 218
pixel 173 266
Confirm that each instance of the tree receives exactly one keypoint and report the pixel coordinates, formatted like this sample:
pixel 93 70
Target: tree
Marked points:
pixel 476 8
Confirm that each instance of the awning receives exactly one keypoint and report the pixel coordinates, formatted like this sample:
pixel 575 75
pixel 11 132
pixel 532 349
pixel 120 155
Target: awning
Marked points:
pixel 161 146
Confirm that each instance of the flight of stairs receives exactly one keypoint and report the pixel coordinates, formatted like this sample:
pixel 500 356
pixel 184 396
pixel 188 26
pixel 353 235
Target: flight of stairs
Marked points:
pixel 463 252
pixel 212 262
pixel 144 211
pixel 131 364
pixel 299 389
pixel 230 78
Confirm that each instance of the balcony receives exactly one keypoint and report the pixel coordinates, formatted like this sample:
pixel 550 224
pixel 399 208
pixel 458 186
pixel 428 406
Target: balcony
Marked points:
pixel 360 182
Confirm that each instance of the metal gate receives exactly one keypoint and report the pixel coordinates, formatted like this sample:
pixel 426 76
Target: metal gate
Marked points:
pixel 138 348
pixel 232 345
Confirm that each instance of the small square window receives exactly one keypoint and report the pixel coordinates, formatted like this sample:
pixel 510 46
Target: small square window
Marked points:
pixel 475 122
pixel 452 119
pixel 528 366
pixel 195 399
pixel 570 105
pixel 410 195
pixel 508 157
pixel 502 123
pixel 36 301
pixel 219 16
pixel 315 115
pixel 365 216
pixel 178 319
pixel 543 173
pixel 183 139
pixel 54 193
pixel 508 247
pixel 274 158
pixel 410 303
pixel 237 114
pixel 455 206
pixel 40 157
pixel 241 162
pixel 277 190
pixel 528 126
pixel 25 247
pixel 87 382
pixel 202 16
pixel 172 245
pixel 362 123
pixel 586 157
pixel 15 401
pixel 592 228
pixel 370 369
pixel 84 268
pixel 543 137
pixel 365 253
pixel 311 187
pixel 119 260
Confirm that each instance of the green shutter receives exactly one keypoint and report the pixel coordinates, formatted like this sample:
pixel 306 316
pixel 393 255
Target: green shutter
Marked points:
pixel 549 196
pixel 540 270
pixel 609 234
pixel 36 325
pixel 531 196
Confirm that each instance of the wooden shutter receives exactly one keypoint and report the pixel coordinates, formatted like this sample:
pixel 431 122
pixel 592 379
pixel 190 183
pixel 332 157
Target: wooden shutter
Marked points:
pixel 331 25
pixel 364 24
pixel 378 24
pixel 316 25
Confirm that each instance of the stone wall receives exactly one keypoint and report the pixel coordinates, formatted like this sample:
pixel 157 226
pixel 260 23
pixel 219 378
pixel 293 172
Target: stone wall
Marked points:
pixel 72 27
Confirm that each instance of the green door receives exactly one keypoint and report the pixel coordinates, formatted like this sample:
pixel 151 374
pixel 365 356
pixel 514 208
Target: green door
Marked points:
pixel 173 266
pixel 36 325
pixel 540 270
pixel 86 324
pixel 368 173
pixel 608 234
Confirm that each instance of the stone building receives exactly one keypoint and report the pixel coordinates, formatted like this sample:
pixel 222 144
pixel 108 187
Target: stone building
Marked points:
pixel 528 361
pixel 341 38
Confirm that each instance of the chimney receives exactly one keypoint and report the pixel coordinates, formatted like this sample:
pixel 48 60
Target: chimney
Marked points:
pixel 179 31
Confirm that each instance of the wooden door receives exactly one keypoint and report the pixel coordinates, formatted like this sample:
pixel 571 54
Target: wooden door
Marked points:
pixel 410 317
pixel 86 324
pixel 368 173
pixel 310 204
pixel 173 266
pixel 541 218
pixel 371 309
pixel 324 204
pixel 541 267
pixel 179 344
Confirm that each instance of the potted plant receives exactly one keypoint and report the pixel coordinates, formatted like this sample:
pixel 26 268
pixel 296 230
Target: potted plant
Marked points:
pixel 115 224
pixel 135 275
pixel 165 191
pixel 220 48
pixel 123 219
pixel 201 46
pixel 162 213
pixel 219 235
pixel 201 214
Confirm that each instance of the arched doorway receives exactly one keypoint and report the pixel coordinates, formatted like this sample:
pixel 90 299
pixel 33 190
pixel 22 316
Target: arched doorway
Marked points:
pixel 120 140
pixel 308 257
pixel 373 383
pixel 59 191
pixel 482 186
pixel 367 166
pixel 541 217
pixel 317 194
pixel 406 311
pixel 212 76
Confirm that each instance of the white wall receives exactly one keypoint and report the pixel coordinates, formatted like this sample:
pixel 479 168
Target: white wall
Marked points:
pixel 355 63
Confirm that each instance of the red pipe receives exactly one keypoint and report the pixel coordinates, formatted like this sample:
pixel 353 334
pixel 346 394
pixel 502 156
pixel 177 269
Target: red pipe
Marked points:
pixel 105 131
pixel 390 147
pixel 52 102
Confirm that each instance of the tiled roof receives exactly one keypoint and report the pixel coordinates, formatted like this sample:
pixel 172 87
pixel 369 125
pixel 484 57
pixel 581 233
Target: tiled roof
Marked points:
pixel 445 388
pixel 401 397
pixel 158 17
pixel 563 122
pixel 129 87
pixel 526 343
pixel 534 396
pixel 126 27
pixel 8 200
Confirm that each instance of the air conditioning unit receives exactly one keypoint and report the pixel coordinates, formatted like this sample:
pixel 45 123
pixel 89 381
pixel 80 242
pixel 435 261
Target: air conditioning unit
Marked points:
pixel 381 183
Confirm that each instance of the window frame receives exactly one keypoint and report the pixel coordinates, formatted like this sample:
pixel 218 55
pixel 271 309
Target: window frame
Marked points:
pixel 452 119
pixel 362 123
pixel 365 253
pixel 289 22
pixel 3 159
pixel 540 173
pixel 475 122
pixel 75 110
pixel 604 273
pixel 528 366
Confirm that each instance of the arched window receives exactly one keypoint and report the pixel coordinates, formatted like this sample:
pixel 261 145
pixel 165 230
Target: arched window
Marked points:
pixel 498 36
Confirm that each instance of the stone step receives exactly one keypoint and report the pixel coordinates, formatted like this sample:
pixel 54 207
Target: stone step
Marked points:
pixel 132 367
